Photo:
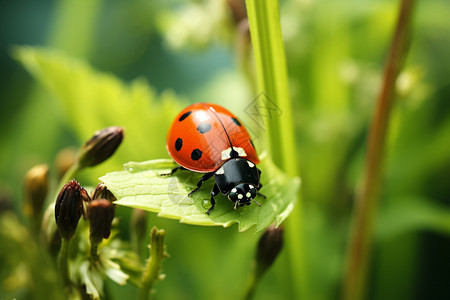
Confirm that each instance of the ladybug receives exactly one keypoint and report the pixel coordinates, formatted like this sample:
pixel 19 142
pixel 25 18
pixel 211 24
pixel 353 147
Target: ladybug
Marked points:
pixel 207 138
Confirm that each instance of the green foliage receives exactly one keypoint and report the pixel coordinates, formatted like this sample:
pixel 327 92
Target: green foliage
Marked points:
pixel 195 26
pixel 419 214
pixel 335 52
pixel 90 99
pixel 27 263
pixel 142 186
pixel 115 261
pixel 111 102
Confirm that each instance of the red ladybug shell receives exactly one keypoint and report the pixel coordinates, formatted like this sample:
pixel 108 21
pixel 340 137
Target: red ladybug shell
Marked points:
pixel 199 138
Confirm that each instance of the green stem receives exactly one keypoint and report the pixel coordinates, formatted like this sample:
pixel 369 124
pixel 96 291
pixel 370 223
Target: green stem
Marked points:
pixel 153 267
pixel 63 262
pixel 94 252
pixel 368 198
pixel 69 175
pixel 251 285
pixel 272 79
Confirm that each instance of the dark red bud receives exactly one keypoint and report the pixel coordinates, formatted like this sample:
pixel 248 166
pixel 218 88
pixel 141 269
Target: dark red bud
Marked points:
pixel 101 146
pixel 102 192
pixel 101 215
pixel 69 208
pixel 269 245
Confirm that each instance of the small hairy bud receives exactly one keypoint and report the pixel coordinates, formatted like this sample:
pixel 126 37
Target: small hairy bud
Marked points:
pixel 101 146
pixel 69 208
pixel 101 215
pixel 269 245
pixel 102 192
pixel 36 187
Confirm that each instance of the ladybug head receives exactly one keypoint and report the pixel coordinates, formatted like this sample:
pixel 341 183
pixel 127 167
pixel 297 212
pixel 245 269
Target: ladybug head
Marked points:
pixel 242 194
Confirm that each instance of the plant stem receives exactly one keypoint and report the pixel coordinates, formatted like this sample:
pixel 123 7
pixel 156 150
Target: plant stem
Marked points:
pixel 94 252
pixel 153 267
pixel 63 262
pixel 69 175
pixel 251 286
pixel 368 198
pixel 272 79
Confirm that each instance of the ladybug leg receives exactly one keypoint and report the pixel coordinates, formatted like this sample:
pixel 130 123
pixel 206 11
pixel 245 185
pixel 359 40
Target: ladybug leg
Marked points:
pixel 199 184
pixel 173 171
pixel 259 187
pixel 214 192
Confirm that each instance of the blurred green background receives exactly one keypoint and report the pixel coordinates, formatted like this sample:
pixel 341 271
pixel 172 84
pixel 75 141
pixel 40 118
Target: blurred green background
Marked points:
pixel 190 51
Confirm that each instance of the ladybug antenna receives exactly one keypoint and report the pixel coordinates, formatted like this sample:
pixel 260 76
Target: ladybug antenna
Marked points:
pixel 257 202
pixel 223 126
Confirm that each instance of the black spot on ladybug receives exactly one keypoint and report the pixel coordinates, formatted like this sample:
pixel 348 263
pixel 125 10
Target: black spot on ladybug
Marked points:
pixel 236 121
pixel 196 154
pixel 178 144
pixel 253 145
pixel 204 127
pixel 185 115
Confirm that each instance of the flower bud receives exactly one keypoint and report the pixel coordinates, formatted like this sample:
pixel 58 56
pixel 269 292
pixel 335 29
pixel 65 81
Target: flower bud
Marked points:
pixel 101 215
pixel 269 245
pixel 36 186
pixel 101 146
pixel 69 208
pixel 102 192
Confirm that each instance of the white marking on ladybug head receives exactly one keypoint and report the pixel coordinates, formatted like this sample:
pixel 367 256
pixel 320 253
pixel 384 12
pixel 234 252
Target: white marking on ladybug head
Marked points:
pixel 248 195
pixel 220 171
pixel 240 196
pixel 226 154
pixel 250 164
pixel 251 186
pixel 234 190
pixel 240 151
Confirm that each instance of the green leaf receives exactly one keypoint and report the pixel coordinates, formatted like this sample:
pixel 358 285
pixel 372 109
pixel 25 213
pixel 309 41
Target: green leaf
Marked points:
pixel 141 186
pixel 91 100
